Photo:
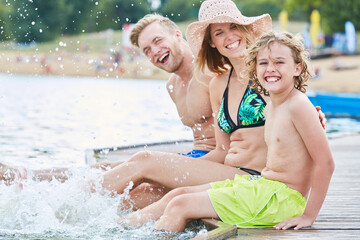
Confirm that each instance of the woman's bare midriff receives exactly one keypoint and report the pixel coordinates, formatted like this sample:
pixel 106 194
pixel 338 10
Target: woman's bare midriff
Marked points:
pixel 247 149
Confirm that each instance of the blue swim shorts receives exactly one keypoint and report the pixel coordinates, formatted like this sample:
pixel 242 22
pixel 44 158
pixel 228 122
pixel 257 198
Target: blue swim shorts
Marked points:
pixel 195 153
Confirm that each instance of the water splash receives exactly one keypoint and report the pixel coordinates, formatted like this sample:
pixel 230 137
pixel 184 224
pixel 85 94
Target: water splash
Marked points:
pixel 43 207
pixel 55 210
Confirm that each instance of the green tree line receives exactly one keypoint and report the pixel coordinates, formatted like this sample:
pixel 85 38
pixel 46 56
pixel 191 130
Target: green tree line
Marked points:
pixel 44 20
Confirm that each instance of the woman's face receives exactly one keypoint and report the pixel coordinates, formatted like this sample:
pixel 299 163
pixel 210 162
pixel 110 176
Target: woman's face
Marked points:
pixel 227 39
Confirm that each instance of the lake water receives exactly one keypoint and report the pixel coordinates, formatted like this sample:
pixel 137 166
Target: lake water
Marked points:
pixel 49 121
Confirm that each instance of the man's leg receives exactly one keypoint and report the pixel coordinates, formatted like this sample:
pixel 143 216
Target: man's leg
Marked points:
pixel 142 196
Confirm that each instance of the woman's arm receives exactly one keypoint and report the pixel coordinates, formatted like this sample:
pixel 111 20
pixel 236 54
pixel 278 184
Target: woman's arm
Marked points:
pixel 216 89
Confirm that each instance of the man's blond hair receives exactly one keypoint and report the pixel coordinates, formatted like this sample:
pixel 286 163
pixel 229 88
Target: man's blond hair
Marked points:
pixel 145 21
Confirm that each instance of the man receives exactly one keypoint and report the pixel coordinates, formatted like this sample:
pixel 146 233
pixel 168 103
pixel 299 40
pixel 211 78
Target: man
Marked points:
pixel 162 42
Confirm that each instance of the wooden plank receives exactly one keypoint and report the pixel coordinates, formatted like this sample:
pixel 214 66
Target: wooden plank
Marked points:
pixel 123 153
pixel 220 230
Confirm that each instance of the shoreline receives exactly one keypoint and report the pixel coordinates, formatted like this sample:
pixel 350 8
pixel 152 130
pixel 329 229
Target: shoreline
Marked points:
pixel 344 79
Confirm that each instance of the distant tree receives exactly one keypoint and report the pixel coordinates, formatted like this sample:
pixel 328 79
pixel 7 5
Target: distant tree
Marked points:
pixel 258 7
pixel 306 5
pixel 38 20
pixel 114 13
pixel 79 17
pixel 335 13
pixel 180 10
pixel 5 29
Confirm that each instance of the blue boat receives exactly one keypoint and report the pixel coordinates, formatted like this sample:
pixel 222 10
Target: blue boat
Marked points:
pixel 337 104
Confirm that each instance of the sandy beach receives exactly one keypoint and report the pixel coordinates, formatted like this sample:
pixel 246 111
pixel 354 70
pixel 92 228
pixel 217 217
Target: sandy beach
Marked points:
pixel 102 65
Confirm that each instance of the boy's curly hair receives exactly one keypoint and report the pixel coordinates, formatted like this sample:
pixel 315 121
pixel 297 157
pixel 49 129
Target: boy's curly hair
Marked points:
pixel 298 53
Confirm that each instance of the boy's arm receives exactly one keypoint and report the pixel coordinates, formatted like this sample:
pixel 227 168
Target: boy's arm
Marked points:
pixel 307 124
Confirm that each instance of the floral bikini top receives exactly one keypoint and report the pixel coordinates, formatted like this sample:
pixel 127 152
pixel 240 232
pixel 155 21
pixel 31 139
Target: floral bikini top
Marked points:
pixel 250 113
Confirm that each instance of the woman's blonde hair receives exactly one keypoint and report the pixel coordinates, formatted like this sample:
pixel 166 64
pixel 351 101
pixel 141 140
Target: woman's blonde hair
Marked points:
pixel 211 57
pixel 299 55
pixel 146 21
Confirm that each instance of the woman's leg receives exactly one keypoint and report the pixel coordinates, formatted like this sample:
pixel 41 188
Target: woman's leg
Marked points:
pixel 155 210
pixel 184 208
pixel 165 169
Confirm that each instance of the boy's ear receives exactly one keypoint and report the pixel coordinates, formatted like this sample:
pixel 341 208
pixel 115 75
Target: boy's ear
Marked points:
pixel 298 69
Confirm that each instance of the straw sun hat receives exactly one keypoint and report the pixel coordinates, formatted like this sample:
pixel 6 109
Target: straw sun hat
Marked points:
pixel 222 11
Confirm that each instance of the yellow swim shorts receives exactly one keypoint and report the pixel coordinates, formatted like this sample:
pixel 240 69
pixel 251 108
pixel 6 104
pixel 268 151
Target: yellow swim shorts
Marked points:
pixel 253 201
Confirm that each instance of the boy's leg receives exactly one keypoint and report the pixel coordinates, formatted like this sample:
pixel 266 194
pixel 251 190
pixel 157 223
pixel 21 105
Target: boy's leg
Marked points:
pixel 181 209
pixel 155 210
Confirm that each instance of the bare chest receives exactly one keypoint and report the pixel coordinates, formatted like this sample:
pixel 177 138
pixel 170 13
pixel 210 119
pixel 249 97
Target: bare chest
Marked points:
pixel 192 102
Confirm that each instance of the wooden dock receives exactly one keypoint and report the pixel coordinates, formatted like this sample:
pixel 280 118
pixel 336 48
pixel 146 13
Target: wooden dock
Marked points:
pixel 339 217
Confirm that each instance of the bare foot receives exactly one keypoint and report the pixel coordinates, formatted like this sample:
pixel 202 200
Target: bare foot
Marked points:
pixel 9 174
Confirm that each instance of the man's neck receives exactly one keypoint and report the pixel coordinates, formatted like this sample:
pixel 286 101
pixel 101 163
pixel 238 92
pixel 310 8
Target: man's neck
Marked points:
pixel 186 70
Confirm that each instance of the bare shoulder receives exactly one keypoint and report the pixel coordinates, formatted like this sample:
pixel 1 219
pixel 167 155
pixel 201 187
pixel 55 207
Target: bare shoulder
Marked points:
pixel 205 76
pixel 172 79
pixel 301 109
pixel 218 81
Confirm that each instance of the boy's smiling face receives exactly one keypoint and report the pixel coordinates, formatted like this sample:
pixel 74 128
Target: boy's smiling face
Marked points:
pixel 275 67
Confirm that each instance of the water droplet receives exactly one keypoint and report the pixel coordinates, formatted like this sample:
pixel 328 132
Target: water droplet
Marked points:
pixel 171 88
pixel 32 23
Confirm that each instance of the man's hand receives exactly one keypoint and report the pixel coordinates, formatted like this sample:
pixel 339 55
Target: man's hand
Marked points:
pixel 322 117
